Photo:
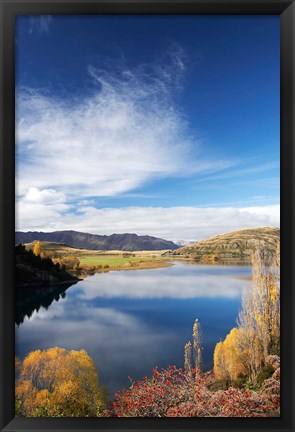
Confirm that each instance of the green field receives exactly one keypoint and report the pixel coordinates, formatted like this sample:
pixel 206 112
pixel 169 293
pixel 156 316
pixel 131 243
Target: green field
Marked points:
pixel 105 260
pixel 113 260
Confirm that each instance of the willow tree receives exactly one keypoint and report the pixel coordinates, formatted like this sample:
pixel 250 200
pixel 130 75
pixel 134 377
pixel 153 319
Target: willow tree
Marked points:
pixel 57 382
pixel 230 357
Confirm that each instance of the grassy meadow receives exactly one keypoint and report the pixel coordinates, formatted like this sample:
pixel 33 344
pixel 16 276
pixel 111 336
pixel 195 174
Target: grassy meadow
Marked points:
pixel 103 260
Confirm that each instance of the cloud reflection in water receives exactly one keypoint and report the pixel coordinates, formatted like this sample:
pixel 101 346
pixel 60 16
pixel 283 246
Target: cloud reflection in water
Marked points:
pixel 132 321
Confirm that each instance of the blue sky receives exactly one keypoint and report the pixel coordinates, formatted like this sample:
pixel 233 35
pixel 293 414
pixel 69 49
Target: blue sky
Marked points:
pixel 158 125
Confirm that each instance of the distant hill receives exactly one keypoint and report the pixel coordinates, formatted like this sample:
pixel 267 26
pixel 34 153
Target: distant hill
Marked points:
pixel 236 244
pixel 126 242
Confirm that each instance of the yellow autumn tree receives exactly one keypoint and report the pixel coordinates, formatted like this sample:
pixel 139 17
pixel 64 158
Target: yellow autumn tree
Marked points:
pixel 260 314
pixel 244 349
pixel 220 367
pixel 37 248
pixel 250 345
pixel 229 359
pixel 264 299
pixel 57 382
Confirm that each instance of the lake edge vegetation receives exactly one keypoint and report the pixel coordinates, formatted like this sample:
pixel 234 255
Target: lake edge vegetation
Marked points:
pixel 83 262
pixel 246 377
pixel 33 267
pixel 245 381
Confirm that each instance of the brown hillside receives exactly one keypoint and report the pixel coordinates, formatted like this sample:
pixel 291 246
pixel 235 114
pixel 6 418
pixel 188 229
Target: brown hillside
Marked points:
pixel 236 244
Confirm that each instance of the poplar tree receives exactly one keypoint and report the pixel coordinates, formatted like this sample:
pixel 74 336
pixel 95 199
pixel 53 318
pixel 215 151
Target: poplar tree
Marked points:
pixel 258 334
pixel 188 356
pixel 37 248
pixel 193 352
pixel 197 348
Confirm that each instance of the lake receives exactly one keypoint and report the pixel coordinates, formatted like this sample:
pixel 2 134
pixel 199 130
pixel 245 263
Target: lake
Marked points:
pixel 134 320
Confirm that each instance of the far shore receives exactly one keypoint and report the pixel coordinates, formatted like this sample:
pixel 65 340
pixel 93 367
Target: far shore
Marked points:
pixel 144 265
pixel 89 262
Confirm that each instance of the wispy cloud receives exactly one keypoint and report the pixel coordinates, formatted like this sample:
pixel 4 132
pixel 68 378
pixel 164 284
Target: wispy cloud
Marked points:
pixel 240 171
pixel 40 24
pixel 185 223
pixel 127 133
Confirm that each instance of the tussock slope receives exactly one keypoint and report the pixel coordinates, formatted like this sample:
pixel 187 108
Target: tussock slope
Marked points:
pixel 236 244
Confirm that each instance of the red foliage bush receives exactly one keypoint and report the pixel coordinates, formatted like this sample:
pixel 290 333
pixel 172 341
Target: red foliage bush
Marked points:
pixel 176 393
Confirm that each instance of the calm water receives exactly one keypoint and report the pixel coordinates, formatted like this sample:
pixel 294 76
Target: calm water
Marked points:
pixel 132 321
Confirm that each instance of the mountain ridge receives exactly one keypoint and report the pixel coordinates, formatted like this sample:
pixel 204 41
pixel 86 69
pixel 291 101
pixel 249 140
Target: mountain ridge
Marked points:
pixel 126 241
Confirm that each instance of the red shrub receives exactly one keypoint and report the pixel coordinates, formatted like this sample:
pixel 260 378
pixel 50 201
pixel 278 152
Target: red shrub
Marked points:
pixel 176 393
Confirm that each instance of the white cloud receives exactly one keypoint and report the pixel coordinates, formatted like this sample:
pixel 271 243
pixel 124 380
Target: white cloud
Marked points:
pixel 127 133
pixel 29 213
pixel 45 196
pixel 105 333
pixel 185 223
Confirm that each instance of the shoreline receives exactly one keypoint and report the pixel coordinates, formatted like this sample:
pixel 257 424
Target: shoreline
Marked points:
pixel 146 265
pixel 47 285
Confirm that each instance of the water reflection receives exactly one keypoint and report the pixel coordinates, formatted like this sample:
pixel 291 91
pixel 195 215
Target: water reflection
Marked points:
pixel 132 321
pixel 168 282
pixel 30 300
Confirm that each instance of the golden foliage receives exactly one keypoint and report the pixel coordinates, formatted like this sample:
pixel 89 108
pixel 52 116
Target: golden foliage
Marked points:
pixel 229 358
pixel 260 314
pixel 57 382
pixel 245 348
pixel 220 368
pixel 37 248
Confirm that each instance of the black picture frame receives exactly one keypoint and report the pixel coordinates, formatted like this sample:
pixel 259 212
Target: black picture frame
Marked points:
pixel 11 8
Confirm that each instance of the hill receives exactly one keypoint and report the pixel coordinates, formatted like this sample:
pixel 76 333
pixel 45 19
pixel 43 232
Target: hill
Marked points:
pixel 236 244
pixel 32 270
pixel 126 242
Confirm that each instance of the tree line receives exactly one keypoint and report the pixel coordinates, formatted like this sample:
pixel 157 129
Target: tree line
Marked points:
pixel 243 352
